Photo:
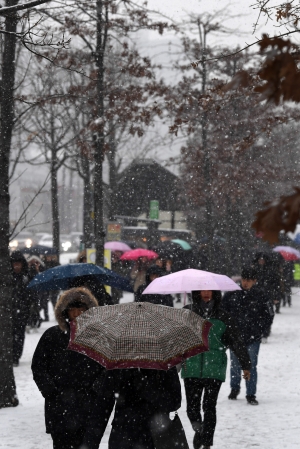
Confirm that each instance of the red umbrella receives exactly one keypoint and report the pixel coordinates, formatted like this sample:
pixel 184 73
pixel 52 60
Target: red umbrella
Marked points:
pixel 290 257
pixel 135 254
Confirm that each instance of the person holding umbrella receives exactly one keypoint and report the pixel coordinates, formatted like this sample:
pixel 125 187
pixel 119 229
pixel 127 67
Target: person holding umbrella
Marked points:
pixel 205 373
pixel 65 378
pixel 140 344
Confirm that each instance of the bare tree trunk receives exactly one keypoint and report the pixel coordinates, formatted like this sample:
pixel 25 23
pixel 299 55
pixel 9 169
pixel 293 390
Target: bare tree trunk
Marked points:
pixel 54 202
pixel 87 202
pixel 112 173
pixel 99 138
pixel 7 381
pixel 70 204
pixel 207 165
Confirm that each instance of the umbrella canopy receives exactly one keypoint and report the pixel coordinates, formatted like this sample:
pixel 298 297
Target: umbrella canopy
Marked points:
pixel 39 250
pixel 139 335
pixel 63 277
pixel 169 250
pixel 289 257
pixel 135 254
pixel 186 281
pixel 184 245
pixel 287 249
pixel 117 246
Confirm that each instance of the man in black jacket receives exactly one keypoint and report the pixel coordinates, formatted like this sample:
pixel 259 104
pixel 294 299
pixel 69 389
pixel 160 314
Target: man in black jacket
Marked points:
pixel 252 312
pixel 65 378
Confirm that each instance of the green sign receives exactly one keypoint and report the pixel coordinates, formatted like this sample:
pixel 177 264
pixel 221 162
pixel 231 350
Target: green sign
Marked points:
pixel 154 210
pixel 297 272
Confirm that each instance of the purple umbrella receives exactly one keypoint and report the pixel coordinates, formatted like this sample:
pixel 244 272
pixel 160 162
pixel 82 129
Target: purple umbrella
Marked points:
pixel 186 281
pixel 117 246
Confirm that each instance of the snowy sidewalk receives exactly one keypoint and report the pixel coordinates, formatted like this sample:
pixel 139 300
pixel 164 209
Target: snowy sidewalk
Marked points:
pixel 274 424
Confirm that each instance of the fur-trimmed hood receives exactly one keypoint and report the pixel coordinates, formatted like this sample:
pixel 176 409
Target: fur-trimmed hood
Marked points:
pixel 80 294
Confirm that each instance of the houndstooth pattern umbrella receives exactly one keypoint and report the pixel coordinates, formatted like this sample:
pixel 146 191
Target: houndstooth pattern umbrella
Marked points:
pixel 139 335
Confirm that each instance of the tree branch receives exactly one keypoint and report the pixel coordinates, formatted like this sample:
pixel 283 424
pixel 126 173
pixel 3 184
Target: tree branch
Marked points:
pixel 6 10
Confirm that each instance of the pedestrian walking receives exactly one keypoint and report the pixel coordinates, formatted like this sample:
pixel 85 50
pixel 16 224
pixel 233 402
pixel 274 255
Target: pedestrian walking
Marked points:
pixel 143 399
pixel 288 278
pixel 251 309
pixel 204 374
pixel 35 266
pixel 117 267
pixel 153 272
pixel 51 261
pixel 66 378
pixel 138 272
pixel 20 303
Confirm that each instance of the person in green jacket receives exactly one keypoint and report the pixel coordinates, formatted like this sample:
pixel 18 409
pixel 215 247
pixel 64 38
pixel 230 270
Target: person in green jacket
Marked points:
pixel 204 373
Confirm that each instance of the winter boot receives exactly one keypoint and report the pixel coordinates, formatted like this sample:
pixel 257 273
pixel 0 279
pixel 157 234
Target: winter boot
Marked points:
pixel 234 394
pixel 252 400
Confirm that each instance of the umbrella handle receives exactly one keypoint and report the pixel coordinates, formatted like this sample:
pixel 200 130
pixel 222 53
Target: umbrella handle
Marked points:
pixel 184 298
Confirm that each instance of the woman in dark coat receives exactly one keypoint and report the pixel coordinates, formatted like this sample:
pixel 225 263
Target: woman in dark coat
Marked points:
pixel 65 378
pixel 143 399
pixel 153 272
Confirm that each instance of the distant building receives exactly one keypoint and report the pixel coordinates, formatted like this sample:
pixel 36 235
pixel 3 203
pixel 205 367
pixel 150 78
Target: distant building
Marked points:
pixel 145 180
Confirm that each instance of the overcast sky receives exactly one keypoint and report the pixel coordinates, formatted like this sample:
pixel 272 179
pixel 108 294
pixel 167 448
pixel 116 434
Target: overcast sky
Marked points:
pixel 242 12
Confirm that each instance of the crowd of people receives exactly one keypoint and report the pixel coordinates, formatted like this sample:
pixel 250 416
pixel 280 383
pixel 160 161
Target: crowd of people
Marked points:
pixel 80 395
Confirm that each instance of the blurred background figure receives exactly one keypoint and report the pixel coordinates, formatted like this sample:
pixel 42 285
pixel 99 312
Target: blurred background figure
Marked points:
pixel 51 261
pixel 20 303
pixel 138 272
pixel 35 266
pixel 117 267
pixel 82 258
pixel 153 272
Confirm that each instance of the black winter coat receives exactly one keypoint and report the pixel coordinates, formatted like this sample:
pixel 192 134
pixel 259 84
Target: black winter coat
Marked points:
pixel 251 310
pixel 138 395
pixel 21 300
pixel 162 300
pixel 65 379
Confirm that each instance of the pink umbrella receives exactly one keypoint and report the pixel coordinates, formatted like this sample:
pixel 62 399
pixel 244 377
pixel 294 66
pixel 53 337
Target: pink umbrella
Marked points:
pixel 135 254
pixel 186 281
pixel 117 246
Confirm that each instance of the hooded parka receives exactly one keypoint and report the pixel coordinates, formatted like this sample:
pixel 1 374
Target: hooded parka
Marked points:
pixel 64 377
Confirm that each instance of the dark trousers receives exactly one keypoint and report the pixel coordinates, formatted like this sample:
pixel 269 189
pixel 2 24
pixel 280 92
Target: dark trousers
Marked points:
pixel 67 440
pixel 131 432
pixel 194 388
pixel 18 340
pixel 130 438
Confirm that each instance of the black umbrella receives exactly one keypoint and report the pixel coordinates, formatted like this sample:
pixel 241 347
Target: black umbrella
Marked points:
pixel 169 250
pixel 38 250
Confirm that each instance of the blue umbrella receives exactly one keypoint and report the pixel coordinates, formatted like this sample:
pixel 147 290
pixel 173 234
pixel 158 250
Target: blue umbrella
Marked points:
pixel 39 249
pixel 64 277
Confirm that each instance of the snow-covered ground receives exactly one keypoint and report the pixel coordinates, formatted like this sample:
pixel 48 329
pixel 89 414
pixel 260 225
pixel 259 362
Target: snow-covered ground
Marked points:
pixel 274 424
